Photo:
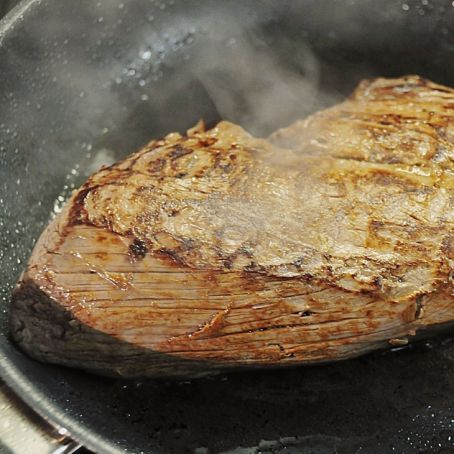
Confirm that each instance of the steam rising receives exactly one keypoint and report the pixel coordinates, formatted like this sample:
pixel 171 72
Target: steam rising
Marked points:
pixel 259 80
pixel 130 85
pixel 252 87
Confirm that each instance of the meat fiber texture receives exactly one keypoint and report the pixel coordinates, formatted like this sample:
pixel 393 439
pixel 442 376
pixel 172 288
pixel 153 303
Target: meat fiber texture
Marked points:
pixel 215 250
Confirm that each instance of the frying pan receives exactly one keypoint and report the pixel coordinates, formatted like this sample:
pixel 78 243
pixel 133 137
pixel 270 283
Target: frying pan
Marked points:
pixel 82 83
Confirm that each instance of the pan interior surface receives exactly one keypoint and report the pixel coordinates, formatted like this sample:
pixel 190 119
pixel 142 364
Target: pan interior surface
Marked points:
pixel 102 78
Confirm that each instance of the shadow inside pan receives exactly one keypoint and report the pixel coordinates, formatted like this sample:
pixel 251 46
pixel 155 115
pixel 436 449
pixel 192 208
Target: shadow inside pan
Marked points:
pixel 384 401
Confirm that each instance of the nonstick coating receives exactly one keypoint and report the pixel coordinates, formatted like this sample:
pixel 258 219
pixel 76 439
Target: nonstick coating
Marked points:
pixel 81 81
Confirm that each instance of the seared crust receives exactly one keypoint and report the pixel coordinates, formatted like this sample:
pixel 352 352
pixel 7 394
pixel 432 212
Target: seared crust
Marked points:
pixel 330 239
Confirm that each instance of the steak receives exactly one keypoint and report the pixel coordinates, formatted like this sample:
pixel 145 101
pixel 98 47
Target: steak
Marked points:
pixel 216 250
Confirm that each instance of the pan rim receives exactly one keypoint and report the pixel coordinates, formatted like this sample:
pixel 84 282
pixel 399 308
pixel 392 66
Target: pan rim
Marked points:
pixel 14 16
pixel 14 377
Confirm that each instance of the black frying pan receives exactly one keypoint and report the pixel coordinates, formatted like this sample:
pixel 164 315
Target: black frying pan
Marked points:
pixel 85 82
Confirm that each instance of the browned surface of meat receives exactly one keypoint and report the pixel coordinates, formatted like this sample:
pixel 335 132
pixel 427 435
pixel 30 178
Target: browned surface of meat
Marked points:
pixel 215 249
